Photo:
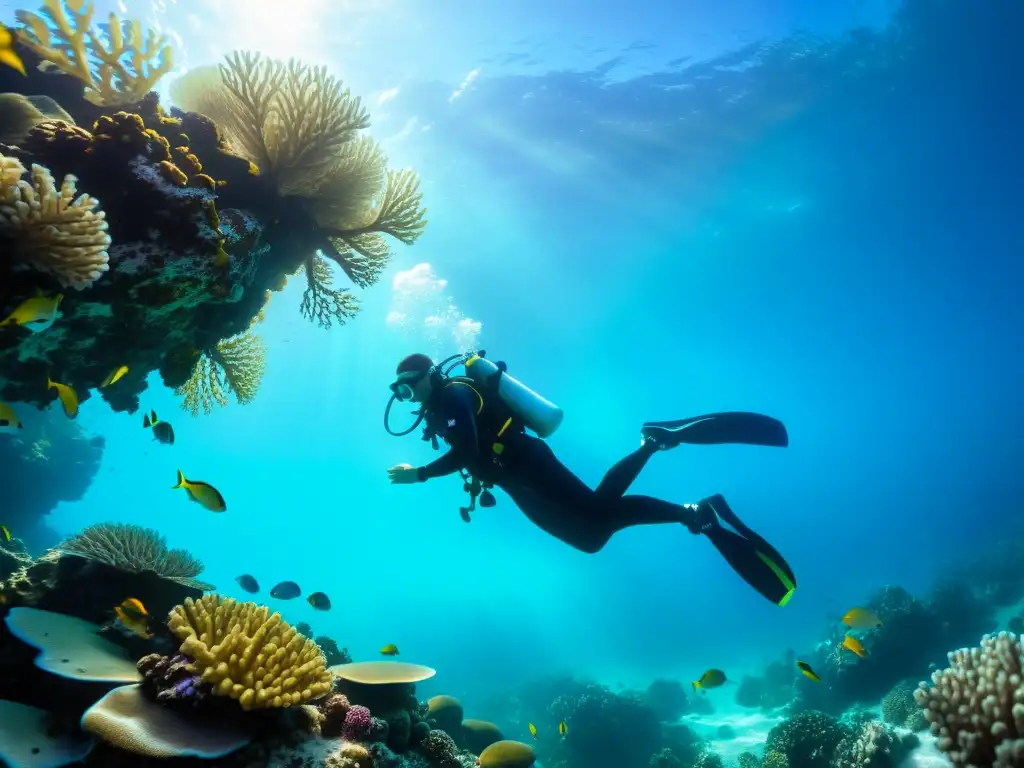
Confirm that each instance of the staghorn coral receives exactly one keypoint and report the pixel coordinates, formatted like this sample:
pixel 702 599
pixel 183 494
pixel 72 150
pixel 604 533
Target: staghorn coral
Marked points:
pixel 976 705
pixel 134 548
pixel 234 365
pixel 52 230
pixel 321 303
pixel 117 68
pixel 248 654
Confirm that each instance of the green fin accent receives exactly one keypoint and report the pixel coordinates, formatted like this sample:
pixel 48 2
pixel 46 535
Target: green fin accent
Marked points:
pixel 783 578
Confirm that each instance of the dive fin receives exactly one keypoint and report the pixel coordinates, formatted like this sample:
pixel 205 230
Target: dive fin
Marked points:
pixel 753 558
pixel 741 427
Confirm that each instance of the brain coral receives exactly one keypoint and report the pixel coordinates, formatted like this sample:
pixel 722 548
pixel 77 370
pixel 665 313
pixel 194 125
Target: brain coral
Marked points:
pixel 245 652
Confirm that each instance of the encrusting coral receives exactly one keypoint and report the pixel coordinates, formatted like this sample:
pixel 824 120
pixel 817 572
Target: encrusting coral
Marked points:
pixel 50 229
pixel 976 705
pixel 118 70
pixel 248 654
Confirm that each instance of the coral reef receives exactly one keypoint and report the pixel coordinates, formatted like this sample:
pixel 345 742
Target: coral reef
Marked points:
pixel 135 549
pixel 248 654
pixel 775 688
pixel 872 745
pixel 89 588
pixel 900 708
pixel 668 698
pixel 197 219
pixel 807 739
pixel 975 705
pixel 54 460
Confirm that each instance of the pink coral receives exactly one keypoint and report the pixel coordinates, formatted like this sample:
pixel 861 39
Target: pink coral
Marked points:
pixel 358 724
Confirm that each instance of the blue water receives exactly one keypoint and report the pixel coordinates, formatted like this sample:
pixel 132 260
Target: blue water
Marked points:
pixel 833 237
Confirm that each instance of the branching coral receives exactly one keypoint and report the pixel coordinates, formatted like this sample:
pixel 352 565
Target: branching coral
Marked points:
pixel 245 652
pixel 133 548
pixel 299 126
pixel 976 705
pixel 321 303
pixel 117 68
pixel 50 229
pixel 235 365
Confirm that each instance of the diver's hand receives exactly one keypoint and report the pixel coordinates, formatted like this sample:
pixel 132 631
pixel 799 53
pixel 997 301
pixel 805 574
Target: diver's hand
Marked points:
pixel 402 474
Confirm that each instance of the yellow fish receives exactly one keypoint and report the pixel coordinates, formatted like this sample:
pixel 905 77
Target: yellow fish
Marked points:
pixel 852 644
pixel 805 668
pixel 5 535
pixel 8 419
pixel 389 650
pixel 203 493
pixel 533 729
pixel 133 614
pixel 36 314
pixel 563 729
pixel 861 618
pixel 710 679
pixel 7 54
pixel 114 376
pixel 68 397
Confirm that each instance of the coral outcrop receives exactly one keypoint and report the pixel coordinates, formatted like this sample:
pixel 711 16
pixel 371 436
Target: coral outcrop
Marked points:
pixel 976 704
pixel 244 652
pixel 191 219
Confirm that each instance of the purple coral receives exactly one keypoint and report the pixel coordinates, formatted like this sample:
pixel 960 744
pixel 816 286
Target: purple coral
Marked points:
pixel 358 724
pixel 334 709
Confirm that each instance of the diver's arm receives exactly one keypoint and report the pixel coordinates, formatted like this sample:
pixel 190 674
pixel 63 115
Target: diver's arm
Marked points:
pixel 457 410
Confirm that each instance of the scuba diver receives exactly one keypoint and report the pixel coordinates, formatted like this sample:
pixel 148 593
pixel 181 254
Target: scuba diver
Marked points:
pixel 484 416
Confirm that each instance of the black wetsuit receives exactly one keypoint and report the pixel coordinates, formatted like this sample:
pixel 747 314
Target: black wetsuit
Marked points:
pixel 527 470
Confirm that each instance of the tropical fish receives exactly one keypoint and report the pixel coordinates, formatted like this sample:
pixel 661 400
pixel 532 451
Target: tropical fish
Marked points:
pixel 389 650
pixel 7 54
pixel 203 493
pixel 162 431
pixel 563 729
pixel 67 396
pixel 861 618
pixel 114 376
pixel 36 314
pixel 286 590
pixel 5 535
pixel 133 614
pixel 809 673
pixel 8 419
pixel 851 643
pixel 710 679
pixel 320 601
pixel 248 583
pixel 533 729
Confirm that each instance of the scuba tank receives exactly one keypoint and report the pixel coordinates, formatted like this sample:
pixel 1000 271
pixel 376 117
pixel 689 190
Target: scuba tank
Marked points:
pixel 539 415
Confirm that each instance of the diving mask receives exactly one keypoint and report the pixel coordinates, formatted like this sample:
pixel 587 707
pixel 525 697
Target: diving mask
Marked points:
pixel 403 388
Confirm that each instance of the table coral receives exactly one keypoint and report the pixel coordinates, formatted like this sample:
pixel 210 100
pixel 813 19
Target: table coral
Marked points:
pixel 248 654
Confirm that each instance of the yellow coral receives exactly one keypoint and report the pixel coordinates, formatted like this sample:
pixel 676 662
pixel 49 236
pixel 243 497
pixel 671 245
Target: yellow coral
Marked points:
pixel 116 69
pixel 235 365
pixel 172 173
pixel 245 652
pixel 53 231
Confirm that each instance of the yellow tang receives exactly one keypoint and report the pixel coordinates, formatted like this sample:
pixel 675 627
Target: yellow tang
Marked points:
pixel 8 419
pixel 7 54
pixel 390 650
pixel 114 376
pixel 710 679
pixel 851 643
pixel 68 397
pixel 37 313
pixel 805 668
pixel 203 493
pixel 533 729
pixel 861 618
pixel 562 728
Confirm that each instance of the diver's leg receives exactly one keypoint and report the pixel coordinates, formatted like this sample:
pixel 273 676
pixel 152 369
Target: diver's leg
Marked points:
pixel 617 480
